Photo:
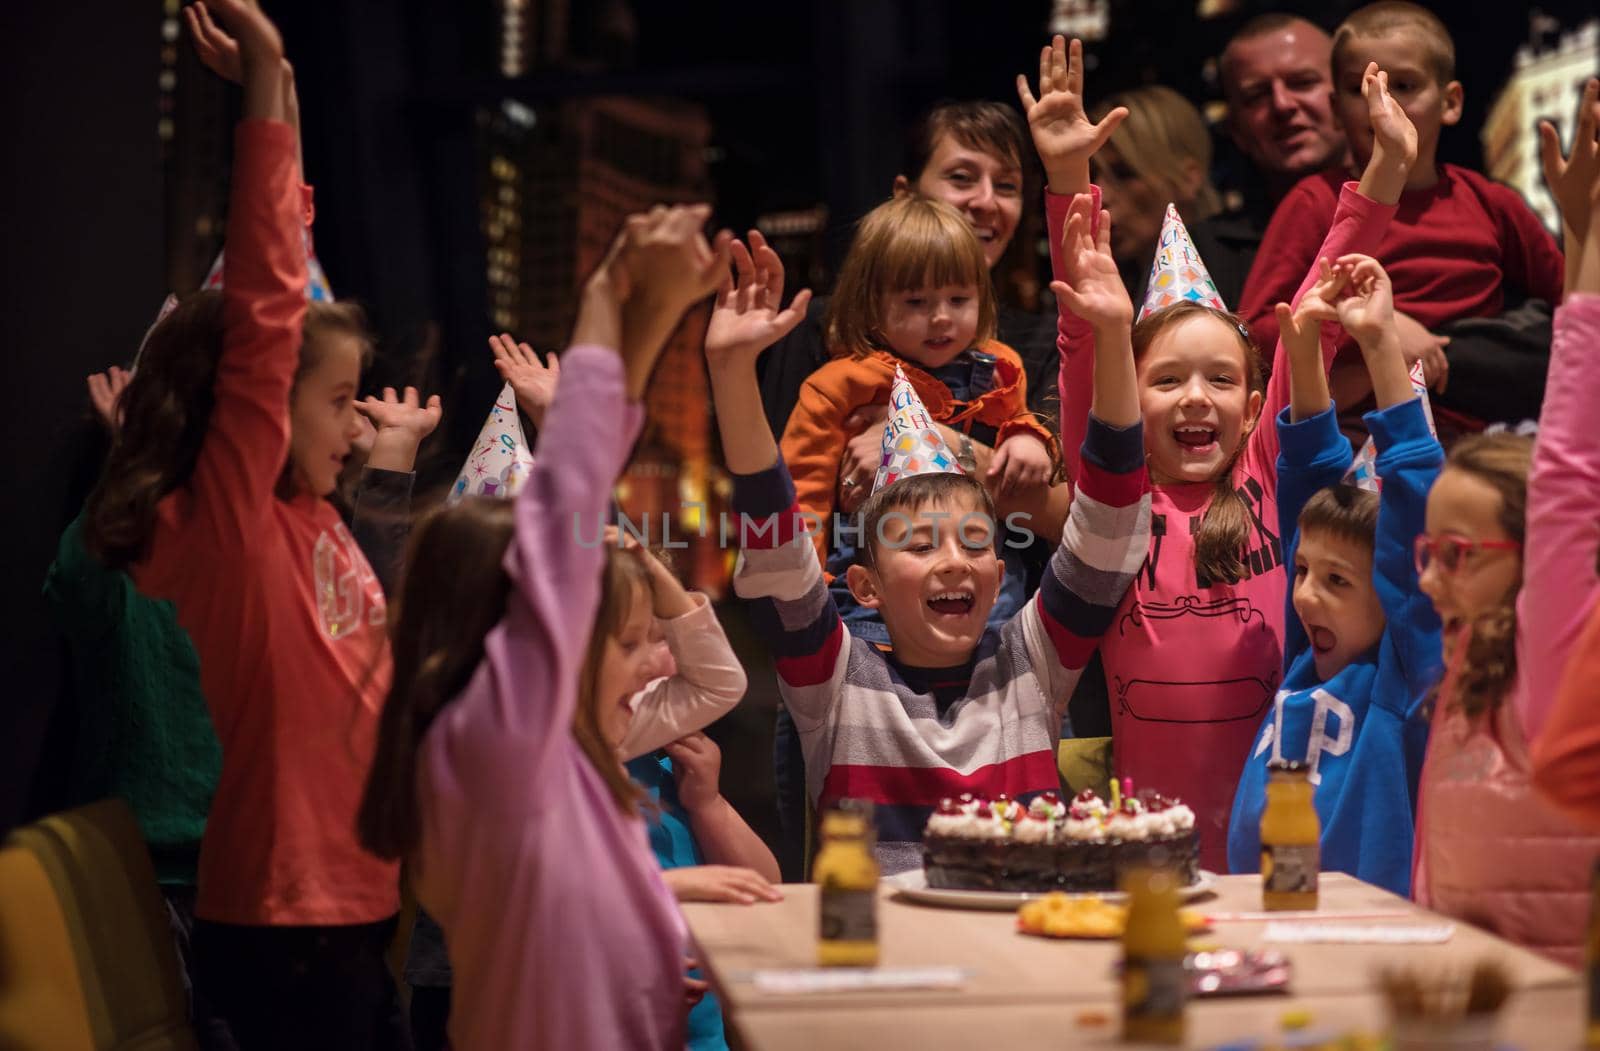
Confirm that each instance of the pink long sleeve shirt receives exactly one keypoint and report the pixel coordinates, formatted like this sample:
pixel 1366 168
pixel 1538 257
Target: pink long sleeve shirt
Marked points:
pixel 1192 665
pixel 561 931
pixel 1489 850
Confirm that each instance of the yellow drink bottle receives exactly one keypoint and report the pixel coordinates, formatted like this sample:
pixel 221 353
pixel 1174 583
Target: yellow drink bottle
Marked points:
pixel 1291 857
pixel 1155 985
pixel 847 926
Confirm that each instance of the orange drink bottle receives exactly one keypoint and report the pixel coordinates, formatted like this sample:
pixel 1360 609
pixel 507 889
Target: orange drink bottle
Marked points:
pixel 1154 982
pixel 1290 855
pixel 848 875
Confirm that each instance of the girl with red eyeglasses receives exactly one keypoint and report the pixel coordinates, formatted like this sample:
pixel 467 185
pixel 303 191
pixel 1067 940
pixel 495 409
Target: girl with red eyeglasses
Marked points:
pixel 1509 562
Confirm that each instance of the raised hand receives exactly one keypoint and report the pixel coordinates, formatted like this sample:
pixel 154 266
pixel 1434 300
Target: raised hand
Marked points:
pixel 104 390
pixel 1021 462
pixel 747 319
pixel 1063 134
pixel 1574 180
pixel 1093 288
pixel 1394 145
pixel 532 382
pixel 260 49
pixel 401 421
pixel 218 51
pixel 664 266
pixel 1365 303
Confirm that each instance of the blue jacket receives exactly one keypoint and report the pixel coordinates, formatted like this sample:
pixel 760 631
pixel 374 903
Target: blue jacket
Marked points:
pixel 1361 732
pixel 673 843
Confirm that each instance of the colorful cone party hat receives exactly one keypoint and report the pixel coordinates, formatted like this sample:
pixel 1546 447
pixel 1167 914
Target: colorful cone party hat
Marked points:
pixel 500 458
pixel 1363 473
pixel 1177 273
pixel 316 281
pixel 911 442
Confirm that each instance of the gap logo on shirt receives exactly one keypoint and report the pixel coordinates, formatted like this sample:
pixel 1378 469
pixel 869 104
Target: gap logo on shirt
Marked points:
pixel 347 588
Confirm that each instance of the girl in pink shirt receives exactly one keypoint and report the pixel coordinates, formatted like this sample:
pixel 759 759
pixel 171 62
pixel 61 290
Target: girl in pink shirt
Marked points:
pixel 521 639
pixel 1509 561
pixel 236 427
pixel 1195 655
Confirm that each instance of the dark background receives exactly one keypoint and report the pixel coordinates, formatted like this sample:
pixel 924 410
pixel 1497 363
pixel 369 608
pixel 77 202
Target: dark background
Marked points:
pixel 807 100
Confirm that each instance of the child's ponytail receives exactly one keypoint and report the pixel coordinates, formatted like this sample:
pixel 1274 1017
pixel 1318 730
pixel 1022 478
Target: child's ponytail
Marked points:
pixel 1220 540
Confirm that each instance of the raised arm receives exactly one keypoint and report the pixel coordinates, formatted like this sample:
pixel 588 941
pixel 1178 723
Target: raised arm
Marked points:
pixel 1065 140
pixel 555 556
pixel 1563 538
pixel 709 680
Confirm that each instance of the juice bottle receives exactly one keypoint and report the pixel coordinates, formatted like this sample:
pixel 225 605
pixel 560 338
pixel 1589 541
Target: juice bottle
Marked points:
pixel 1290 855
pixel 848 874
pixel 1154 983
pixel 1592 959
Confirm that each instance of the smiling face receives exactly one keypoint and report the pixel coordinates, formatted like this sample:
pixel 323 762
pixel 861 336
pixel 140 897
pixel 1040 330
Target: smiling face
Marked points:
pixel 1463 504
pixel 1335 599
pixel 630 658
pixel 1279 111
pixel 1196 399
pixel 934 578
pixel 985 188
pixel 1402 54
pixel 323 421
pixel 930 326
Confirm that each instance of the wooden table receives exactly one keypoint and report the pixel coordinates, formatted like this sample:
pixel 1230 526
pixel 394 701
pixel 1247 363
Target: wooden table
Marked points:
pixel 1026 992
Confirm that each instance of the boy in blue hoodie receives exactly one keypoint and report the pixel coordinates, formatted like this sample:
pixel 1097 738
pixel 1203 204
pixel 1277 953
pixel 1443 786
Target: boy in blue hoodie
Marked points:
pixel 1361 646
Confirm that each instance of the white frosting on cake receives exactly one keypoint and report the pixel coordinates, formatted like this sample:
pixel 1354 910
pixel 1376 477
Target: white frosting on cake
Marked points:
pixel 1084 828
pixel 1033 830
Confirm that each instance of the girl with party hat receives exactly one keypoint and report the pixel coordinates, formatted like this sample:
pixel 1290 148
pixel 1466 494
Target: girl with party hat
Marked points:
pixel 914 297
pixel 1195 655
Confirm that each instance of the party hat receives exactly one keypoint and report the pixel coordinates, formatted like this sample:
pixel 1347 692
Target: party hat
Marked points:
pixel 1177 273
pixel 317 288
pixel 1363 473
pixel 500 458
pixel 911 442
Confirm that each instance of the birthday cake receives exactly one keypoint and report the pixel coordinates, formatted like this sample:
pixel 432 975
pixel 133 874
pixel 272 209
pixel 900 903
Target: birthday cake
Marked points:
pixel 972 843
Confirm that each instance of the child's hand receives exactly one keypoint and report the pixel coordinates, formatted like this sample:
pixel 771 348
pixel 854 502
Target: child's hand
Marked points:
pixel 728 883
pixel 534 384
pixel 1366 303
pixel 217 51
pixel 863 453
pixel 697 765
pixel 668 262
pixel 1093 288
pixel 1063 134
pixel 402 422
pixel 694 989
pixel 1574 181
pixel 1394 145
pixel 260 48
pixel 1021 462
pixel 746 319
pixel 104 390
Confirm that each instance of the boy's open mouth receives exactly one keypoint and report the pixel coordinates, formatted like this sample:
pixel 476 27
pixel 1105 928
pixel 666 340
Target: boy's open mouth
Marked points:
pixel 1198 438
pixel 1322 640
pixel 952 603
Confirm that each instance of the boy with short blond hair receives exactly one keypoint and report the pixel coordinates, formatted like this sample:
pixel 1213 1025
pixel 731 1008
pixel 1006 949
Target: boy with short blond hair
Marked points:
pixel 1457 238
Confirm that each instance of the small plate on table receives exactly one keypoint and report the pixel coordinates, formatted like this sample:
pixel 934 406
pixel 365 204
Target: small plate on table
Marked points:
pixel 913 886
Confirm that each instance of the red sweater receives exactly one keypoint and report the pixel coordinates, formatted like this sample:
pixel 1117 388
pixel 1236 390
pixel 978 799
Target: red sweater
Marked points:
pixel 285 613
pixel 1449 250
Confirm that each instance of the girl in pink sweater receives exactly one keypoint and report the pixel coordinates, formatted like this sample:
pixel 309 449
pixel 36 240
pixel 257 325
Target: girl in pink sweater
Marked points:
pixel 520 641
pixel 1195 654
pixel 1509 562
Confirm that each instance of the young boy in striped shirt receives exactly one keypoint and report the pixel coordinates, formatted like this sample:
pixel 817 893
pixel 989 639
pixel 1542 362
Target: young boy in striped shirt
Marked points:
pixel 956 706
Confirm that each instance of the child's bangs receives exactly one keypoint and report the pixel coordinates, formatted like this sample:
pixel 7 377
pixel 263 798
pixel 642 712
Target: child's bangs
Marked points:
pixel 924 251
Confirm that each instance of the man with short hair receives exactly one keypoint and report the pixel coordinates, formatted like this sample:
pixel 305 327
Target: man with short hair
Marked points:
pixel 1276 79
